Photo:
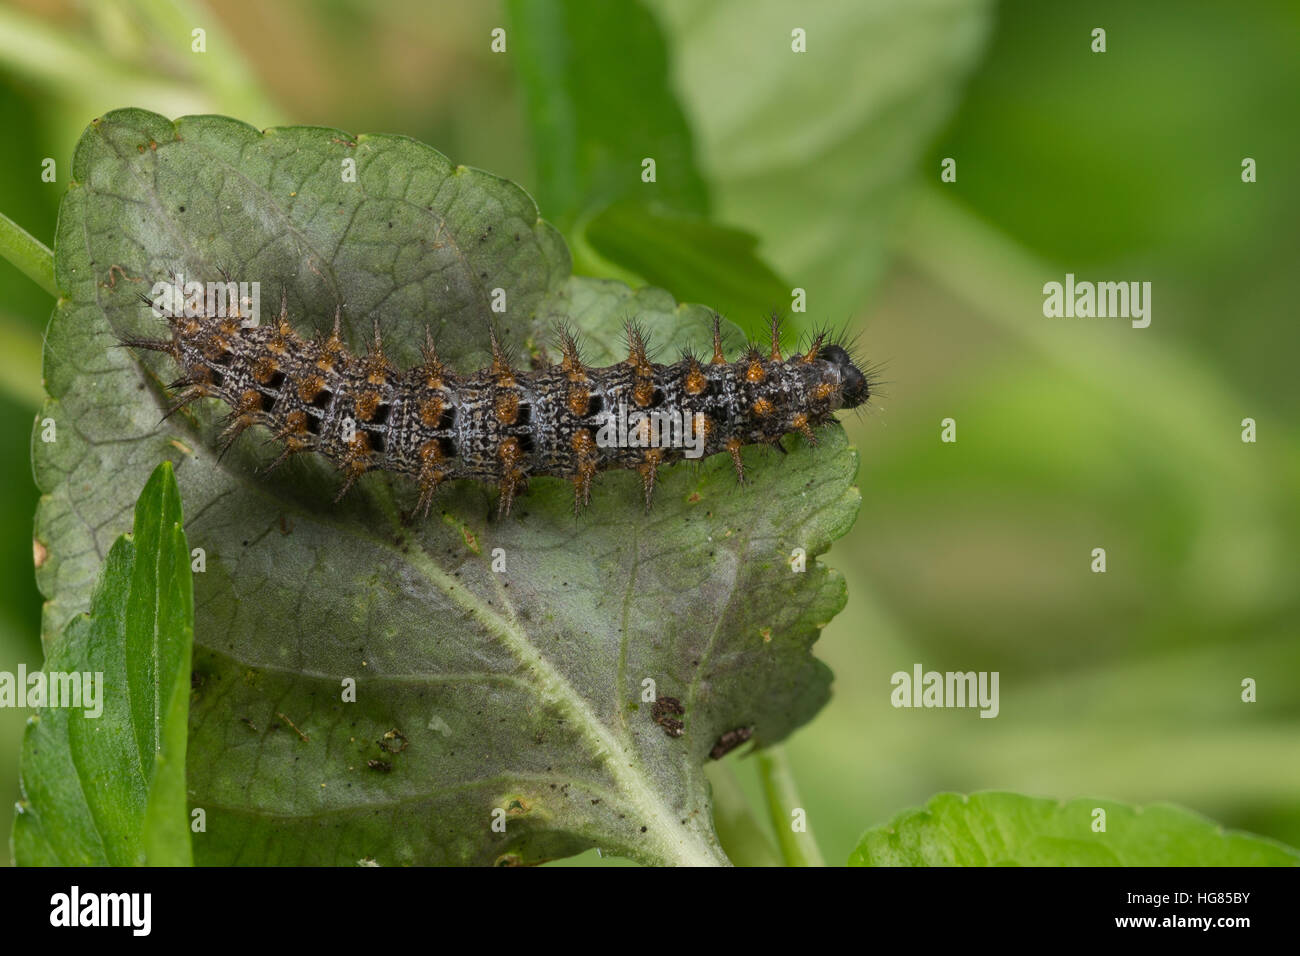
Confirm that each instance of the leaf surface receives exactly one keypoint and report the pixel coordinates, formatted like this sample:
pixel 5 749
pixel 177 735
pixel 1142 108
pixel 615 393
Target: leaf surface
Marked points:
pixel 600 105
pixel 104 783
pixel 480 695
pixel 1010 829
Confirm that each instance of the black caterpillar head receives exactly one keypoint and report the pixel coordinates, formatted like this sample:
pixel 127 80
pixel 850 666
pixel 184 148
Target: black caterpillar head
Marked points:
pixel 854 386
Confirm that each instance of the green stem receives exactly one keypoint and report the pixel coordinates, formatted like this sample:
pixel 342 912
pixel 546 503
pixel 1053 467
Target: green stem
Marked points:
pixel 797 848
pixel 27 253
pixel 741 833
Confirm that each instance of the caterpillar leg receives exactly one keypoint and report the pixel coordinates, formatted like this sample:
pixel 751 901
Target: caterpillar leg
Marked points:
pixel 649 472
pixel 733 447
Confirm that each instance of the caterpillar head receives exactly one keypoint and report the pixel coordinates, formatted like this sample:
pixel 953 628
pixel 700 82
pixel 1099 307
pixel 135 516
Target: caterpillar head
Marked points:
pixel 854 386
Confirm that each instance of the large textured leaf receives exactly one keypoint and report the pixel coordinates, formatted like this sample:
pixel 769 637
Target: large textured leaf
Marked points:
pixel 1010 829
pixel 106 785
pixel 518 690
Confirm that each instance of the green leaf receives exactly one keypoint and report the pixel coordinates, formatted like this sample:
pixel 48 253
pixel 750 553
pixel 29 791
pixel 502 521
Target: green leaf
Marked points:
pixel 812 150
pixel 108 788
pixel 476 691
pixel 595 80
pixel 595 77
pixel 699 260
pixel 1009 829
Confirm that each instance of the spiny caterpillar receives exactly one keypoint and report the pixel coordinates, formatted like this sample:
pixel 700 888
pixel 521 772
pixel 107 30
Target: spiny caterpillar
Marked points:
pixel 501 424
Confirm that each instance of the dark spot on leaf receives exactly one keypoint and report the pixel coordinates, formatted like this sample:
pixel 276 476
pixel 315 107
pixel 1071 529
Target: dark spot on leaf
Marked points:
pixel 730 741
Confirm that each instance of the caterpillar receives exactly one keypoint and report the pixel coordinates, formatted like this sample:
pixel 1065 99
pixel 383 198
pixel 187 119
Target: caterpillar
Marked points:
pixel 501 425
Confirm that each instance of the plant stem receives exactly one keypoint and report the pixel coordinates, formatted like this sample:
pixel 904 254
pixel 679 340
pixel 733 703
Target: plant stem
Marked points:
pixel 741 834
pixel 797 848
pixel 27 253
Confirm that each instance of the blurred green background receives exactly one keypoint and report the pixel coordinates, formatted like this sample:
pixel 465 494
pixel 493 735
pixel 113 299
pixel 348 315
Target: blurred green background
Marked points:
pixel 823 167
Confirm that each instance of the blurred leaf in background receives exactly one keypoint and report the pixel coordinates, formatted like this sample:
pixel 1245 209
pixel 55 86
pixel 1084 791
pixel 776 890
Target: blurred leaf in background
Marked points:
pixel 811 151
pixel 1074 435
pixel 596 83
pixel 615 158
